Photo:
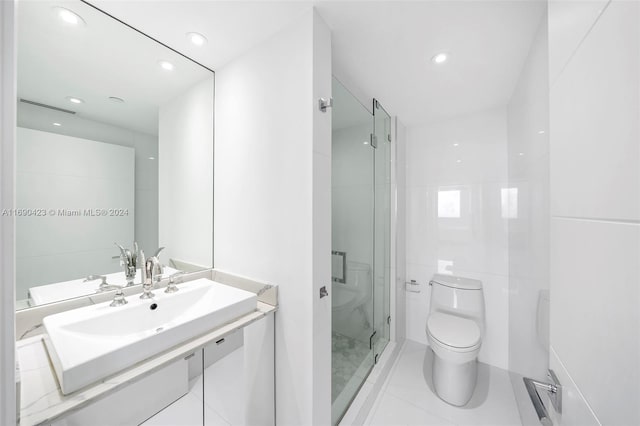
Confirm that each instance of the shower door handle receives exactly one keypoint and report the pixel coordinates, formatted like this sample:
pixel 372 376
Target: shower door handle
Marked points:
pixel 342 279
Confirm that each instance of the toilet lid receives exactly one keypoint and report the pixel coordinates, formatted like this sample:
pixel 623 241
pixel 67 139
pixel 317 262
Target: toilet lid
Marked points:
pixel 453 331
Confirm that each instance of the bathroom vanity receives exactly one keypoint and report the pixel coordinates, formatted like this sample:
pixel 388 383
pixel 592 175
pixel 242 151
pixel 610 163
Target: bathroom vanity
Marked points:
pixel 227 368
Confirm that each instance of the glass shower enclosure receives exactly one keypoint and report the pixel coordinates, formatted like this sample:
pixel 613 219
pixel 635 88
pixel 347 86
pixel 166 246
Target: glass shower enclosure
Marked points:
pixel 360 187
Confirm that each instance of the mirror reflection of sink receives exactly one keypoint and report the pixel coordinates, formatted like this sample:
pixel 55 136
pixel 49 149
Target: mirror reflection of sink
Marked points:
pixel 91 343
pixel 64 290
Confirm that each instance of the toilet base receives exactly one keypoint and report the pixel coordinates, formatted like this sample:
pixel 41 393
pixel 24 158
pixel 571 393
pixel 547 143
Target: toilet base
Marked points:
pixel 454 383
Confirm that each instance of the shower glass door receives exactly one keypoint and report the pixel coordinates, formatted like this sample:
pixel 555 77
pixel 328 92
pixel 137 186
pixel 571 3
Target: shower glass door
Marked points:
pixel 353 204
pixel 382 229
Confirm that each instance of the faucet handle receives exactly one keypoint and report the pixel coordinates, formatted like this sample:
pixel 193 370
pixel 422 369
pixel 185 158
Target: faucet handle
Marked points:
pixel 96 277
pixel 176 275
pixel 118 299
pixel 135 254
pixel 172 287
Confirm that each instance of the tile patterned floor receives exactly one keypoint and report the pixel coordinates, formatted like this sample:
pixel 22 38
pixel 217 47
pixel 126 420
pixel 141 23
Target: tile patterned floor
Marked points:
pixel 407 397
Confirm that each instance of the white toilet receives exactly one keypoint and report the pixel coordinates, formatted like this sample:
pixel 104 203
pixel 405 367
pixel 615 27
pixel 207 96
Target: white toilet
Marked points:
pixel 455 328
pixel 351 303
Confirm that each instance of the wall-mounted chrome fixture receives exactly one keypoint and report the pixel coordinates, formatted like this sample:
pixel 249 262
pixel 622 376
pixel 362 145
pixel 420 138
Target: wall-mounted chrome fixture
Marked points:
pixel 323 104
pixel 554 392
pixel 323 292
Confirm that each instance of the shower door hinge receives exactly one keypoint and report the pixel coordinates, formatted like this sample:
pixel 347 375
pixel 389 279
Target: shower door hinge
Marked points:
pixel 323 104
pixel 371 340
pixel 389 320
pixel 375 359
pixel 374 140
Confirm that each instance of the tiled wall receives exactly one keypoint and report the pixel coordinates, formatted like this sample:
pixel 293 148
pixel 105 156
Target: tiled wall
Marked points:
pixel 146 164
pixel 457 210
pixel 54 247
pixel 595 209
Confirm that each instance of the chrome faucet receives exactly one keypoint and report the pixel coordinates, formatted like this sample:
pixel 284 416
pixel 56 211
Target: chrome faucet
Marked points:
pixel 151 273
pixel 129 260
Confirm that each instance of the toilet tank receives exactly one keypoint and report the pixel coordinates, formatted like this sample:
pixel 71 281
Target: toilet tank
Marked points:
pixel 458 296
pixel 359 277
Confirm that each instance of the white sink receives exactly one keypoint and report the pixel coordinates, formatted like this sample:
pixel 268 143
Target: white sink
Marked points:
pixel 91 343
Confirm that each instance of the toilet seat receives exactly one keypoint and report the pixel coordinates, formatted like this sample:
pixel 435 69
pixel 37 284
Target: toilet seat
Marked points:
pixel 454 332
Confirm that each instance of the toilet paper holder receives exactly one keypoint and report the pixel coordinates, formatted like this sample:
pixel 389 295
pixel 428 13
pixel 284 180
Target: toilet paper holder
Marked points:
pixel 412 286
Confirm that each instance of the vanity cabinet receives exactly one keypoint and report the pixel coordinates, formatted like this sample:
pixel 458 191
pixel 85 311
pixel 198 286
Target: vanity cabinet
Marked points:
pixel 133 404
pixel 229 381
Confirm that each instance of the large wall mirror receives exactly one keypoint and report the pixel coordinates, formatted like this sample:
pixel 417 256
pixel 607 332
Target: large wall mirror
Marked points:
pixel 114 146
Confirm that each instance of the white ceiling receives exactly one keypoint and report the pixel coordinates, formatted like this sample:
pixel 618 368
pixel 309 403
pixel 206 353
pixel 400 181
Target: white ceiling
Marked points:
pixel 386 47
pixel 93 62
pixel 383 46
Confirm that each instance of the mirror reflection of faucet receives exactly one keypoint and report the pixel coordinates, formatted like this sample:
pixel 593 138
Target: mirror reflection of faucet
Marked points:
pixel 129 275
pixel 129 261
pixel 104 286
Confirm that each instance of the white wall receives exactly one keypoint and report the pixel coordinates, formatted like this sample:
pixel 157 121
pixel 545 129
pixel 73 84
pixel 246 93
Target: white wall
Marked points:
pixel 185 176
pixel 472 245
pixel 146 173
pixel 595 209
pixel 57 172
pixel 272 200
pixel 528 157
pixel 7 223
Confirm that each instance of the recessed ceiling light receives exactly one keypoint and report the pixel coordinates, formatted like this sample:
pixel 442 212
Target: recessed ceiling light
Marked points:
pixel 152 158
pixel 440 58
pixel 521 154
pixel 456 144
pixel 541 132
pixel 365 143
pixel 166 65
pixel 197 38
pixel 57 124
pixel 458 161
pixel 68 17
pixel 74 100
pixel 116 99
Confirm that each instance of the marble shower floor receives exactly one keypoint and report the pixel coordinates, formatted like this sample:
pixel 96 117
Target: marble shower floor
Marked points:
pixel 347 354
